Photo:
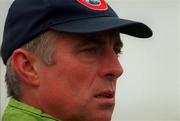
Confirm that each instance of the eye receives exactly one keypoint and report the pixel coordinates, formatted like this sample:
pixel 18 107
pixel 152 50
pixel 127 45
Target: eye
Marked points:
pixel 118 51
pixel 91 50
pixel 89 54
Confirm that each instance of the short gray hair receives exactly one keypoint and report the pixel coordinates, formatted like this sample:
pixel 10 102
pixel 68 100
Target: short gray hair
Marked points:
pixel 43 47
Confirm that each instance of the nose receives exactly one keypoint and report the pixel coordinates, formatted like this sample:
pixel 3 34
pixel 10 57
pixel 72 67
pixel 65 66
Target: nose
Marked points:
pixel 111 66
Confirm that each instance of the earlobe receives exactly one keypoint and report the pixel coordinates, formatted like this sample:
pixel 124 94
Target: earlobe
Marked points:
pixel 24 65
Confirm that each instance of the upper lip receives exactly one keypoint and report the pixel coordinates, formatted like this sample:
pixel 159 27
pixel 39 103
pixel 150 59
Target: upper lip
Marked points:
pixel 105 94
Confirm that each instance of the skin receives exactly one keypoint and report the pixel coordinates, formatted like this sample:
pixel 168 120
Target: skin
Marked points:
pixel 81 84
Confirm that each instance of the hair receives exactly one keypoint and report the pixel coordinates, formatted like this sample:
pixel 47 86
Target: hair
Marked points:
pixel 43 47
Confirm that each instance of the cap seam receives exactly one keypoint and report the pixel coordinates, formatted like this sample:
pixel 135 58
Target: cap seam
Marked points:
pixel 76 19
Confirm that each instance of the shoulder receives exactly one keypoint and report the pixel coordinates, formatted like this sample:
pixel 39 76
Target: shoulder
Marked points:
pixel 17 116
pixel 17 111
pixel 13 113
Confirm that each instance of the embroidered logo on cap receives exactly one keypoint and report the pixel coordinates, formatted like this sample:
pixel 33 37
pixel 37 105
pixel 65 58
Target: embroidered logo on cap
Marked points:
pixel 94 4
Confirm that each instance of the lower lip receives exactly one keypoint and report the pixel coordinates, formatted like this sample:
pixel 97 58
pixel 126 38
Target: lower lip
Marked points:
pixel 105 103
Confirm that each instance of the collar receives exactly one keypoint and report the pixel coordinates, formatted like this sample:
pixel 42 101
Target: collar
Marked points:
pixel 27 108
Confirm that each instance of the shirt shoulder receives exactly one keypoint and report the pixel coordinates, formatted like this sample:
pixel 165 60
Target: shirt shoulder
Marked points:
pixel 23 117
pixel 16 115
pixel 17 111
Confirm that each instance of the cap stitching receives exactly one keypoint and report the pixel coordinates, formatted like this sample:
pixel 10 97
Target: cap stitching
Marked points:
pixel 76 19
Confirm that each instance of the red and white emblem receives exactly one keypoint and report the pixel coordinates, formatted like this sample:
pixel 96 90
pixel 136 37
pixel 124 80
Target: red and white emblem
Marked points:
pixel 94 4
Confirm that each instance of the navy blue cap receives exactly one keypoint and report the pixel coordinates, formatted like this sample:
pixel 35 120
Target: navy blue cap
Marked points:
pixel 28 18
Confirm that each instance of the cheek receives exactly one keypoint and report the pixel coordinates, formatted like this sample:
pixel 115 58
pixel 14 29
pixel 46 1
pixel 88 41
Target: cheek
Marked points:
pixel 78 77
pixel 69 77
pixel 67 86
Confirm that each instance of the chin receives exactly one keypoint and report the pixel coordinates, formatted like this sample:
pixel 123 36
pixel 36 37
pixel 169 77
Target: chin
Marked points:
pixel 103 117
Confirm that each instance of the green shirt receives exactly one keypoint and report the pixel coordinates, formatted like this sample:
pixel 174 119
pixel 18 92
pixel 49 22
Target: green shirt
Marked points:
pixel 17 111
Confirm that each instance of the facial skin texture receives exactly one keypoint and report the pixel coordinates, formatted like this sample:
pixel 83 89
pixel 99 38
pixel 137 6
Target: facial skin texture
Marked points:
pixel 80 85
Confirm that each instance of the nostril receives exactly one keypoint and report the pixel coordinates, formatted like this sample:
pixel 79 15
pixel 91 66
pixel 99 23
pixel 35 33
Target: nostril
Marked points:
pixel 112 73
pixel 115 73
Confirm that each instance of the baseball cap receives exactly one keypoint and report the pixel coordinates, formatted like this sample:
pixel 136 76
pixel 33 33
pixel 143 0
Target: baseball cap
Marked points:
pixel 28 18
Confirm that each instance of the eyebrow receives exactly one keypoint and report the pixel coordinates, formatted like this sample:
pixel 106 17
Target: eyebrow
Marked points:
pixel 92 40
pixel 100 40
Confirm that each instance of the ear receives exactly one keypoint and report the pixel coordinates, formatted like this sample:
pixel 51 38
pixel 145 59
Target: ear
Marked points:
pixel 24 64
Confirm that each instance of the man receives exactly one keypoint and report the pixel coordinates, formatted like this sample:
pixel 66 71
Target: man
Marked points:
pixel 62 59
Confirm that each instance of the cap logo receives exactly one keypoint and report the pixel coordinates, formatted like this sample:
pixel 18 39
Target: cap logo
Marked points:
pixel 94 4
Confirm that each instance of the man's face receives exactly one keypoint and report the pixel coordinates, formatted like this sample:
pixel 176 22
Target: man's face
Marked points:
pixel 80 85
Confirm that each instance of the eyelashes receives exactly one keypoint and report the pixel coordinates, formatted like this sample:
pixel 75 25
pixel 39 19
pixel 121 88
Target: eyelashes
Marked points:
pixel 91 50
pixel 96 50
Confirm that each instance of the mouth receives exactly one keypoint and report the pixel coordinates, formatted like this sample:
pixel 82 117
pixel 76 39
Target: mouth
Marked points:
pixel 105 99
pixel 105 95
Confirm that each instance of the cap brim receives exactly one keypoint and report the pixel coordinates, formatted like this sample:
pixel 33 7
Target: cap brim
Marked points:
pixel 92 25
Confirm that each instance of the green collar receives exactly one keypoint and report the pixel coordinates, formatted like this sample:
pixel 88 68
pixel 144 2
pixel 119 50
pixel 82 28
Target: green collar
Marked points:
pixel 19 105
